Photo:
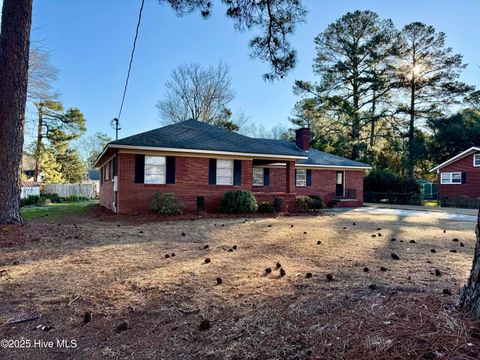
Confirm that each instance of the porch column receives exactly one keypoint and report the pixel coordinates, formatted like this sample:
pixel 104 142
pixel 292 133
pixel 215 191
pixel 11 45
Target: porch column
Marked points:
pixel 290 177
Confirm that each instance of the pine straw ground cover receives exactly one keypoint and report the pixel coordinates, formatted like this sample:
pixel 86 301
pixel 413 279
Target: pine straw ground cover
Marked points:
pixel 107 283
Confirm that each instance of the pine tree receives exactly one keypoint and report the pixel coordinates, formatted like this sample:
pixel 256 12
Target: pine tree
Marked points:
pixel 55 126
pixel 351 61
pixel 428 76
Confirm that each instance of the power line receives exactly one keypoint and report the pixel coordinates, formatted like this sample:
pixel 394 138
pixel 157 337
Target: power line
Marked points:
pixel 131 58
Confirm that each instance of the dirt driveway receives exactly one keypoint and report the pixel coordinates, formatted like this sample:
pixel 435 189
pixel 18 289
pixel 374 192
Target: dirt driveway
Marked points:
pixel 356 303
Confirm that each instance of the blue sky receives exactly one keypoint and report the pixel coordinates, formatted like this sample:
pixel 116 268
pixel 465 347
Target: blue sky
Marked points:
pixel 90 43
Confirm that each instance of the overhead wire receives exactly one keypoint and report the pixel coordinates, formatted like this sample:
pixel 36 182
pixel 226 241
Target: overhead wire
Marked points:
pixel 131 58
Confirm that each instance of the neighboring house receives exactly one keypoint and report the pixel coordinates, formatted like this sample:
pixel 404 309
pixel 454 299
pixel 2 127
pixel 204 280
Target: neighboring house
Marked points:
pixel 460 175
pixel 193 159
pixel 93 177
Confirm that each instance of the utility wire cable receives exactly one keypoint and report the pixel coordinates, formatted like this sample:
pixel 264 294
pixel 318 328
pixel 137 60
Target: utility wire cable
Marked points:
pixel 131 58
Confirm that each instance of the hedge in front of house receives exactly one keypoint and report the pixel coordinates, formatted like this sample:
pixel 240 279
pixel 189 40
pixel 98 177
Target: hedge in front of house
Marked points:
pixel 316 202
pixel 266 208
pixel 166 204
pixel 238 202
pixel 302 203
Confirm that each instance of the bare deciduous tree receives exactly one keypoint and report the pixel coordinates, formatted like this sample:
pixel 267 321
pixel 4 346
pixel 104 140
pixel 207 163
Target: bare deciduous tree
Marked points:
pixel 197 93
pixel 41 76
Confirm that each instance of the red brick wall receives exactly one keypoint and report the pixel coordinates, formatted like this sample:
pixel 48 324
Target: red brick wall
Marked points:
pixel 106 194
pixel 472 186
pixel 191 180
pixel 323 183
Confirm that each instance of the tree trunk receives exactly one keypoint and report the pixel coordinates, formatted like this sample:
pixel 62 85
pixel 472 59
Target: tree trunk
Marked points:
pixel 372 124
pixel 470 299
pixel 38 149
pixel 411 132
pixel 14 51
pixel 355 122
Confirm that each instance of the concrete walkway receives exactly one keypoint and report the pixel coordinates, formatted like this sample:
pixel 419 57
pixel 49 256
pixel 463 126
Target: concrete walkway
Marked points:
pixel 412 210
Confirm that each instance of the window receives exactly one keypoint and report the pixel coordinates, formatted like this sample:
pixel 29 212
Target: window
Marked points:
pixel 451 178
pixel 476 160
pixel 107 171
pixel 258 176
pixel 224 172
pixel 301 177
pixel 155 170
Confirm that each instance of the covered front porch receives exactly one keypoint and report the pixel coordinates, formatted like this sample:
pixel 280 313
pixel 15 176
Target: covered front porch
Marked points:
pixel 281 188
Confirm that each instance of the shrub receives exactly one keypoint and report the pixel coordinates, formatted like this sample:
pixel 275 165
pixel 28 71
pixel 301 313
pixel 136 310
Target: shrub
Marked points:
pixel 380 180
pixel 53 197
pixel 381 185
pixel 278 204
pixel 266 208
pixel 43 201
pixel 302 203
pixel 238 202
pixel 316 202
pixel 30 200
pixel 156 202
pixel 166 204
pixel 460 201
pixel 73 198
pixel 201 207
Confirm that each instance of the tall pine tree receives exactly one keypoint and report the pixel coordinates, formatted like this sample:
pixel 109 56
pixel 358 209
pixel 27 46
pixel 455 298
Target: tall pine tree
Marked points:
pixel 428 77
pixel 351 63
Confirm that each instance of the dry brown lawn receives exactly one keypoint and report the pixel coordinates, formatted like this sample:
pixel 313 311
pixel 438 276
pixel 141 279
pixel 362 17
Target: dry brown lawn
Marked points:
pixel 116 269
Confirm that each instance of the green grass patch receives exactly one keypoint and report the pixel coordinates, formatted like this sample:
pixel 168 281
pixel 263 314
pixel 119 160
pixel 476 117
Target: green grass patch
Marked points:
pixel 57 211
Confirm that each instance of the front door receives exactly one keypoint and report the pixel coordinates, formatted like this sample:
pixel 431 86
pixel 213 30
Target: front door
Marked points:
pixel 339 190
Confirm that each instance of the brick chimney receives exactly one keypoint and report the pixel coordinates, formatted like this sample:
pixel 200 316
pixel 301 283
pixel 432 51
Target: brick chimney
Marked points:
pixel 302 138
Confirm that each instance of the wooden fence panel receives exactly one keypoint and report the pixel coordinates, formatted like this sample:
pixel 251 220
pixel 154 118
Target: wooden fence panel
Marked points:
pixel 63 190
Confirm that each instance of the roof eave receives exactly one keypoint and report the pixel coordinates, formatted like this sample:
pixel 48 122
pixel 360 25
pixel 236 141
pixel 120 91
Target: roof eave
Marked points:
pixel 198 151
pixel 455 158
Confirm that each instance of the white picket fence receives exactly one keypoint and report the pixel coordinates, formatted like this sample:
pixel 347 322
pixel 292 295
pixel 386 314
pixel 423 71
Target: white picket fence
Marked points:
pixel 62 190
pixel 27 191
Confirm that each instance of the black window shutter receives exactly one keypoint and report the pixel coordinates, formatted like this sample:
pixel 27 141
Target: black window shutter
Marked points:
pixel 139 169
pixel 170 178
pixel 464 177
pixel 309 177
pixel 212 171
pixel 266 176
pixel 237 172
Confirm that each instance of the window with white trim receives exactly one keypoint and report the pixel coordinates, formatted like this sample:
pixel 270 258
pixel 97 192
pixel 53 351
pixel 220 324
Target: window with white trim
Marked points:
pixel 301 177
pixel 224 172
pixel 258 176
pixel 476 160
pixel 107 171
pixel 155 169
pixel 451 178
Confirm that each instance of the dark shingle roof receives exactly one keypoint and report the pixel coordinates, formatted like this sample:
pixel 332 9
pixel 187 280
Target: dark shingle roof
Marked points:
pixel 317 157
pixel 196 135
pixel 192 134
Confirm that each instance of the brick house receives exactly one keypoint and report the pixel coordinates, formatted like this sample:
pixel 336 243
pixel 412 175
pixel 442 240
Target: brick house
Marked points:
pixel 193 159
pixel 460 175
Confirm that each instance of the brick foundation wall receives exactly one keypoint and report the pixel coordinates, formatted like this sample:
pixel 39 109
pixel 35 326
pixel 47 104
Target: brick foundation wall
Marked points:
pixel 471 188
pixel 191 180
